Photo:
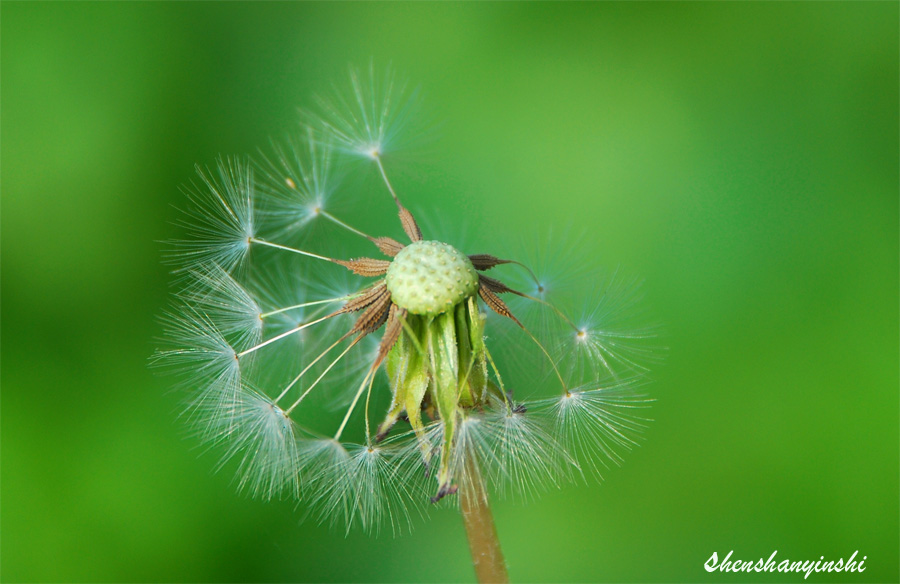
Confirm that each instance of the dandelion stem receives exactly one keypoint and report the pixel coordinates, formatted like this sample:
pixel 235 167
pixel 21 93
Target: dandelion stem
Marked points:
pixel 387 182
pixel 487 557
pixel 291 249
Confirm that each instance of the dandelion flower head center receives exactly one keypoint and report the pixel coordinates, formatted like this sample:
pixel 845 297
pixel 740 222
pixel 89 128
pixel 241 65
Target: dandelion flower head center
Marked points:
pixel 430 277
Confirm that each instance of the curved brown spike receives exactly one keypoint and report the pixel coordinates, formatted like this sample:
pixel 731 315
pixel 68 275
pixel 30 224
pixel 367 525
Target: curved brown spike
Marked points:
pixel 367 267
pixel 375 315
pixel 367 298
pixel 484 261
pixel 495 304
pixel 391 332
pixel 495 286
pixel 409 225
pixel 387 246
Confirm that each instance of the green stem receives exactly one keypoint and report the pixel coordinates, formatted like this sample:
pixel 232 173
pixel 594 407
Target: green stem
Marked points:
pixel 487 557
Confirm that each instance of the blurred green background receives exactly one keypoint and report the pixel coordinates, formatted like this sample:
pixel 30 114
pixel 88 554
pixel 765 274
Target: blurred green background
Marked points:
pixel 741 157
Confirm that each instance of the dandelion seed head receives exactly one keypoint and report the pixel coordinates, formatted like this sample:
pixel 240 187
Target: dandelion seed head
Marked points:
pixel 438 362
pixel 430 277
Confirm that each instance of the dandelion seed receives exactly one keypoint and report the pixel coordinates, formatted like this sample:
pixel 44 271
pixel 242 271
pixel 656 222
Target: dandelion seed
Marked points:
pixel 300 186
pixel 262 437
pixel 608 339
pixel 205 360
pixel 219 222
pixel 215 293
pixel 375 489
pixel 597 423
pixel 524 458
pixel 371 118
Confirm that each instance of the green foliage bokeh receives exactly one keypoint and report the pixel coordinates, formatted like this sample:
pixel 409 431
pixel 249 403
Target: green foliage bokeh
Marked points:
pixel 741 157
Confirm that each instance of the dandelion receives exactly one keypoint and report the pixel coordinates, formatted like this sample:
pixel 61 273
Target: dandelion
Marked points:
pixel 366 387
pixel 372 118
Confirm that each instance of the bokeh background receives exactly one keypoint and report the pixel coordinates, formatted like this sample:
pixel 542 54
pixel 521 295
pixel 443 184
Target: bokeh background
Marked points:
pixel 741 157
